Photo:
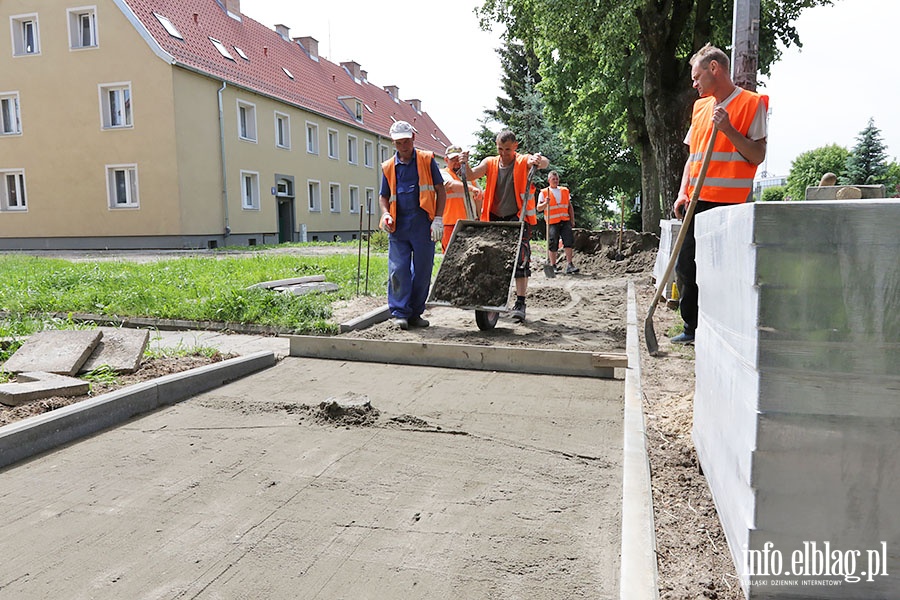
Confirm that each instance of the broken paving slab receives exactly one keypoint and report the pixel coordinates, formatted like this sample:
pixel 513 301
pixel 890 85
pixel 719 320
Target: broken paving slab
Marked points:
pixel 120 348
pixel 308 288
pixel 288 282
pixel 36 385
pixel 54 351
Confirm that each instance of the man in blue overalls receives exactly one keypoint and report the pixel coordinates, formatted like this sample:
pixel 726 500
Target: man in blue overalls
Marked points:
pixel 412 201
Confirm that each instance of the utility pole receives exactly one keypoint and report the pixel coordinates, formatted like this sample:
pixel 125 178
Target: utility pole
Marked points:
pixel 745 43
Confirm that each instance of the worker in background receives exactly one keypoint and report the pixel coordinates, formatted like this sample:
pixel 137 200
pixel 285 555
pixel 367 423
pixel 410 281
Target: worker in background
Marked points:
pixel 507 193
pixel 740 147
pixel 412 201
pixel 455 208
pixel 560 215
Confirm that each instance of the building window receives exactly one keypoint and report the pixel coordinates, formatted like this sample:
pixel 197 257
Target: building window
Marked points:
pixel 315 196
pixel 83 27
pixel 221 48
pixel 247 121
pixel 368 153
pixel 354 199
pixel 282 131
pixel 241 53
pixel 249 190
pixel 370 200
pixel 115 105
pixel 168 26
pixel 122 186
pixel 312 138
pixel 334 197
pixel 359 111
pixel 26 39
pixel 352 150
pixel 384 151
pixel 284 188
pixel 10 121
pixel 12 196
pixel 332 143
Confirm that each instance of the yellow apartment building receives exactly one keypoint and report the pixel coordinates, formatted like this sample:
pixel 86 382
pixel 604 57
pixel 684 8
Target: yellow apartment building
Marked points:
pixel 184 124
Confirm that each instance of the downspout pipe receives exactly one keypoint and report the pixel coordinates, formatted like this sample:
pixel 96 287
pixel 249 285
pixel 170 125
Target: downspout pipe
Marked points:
pixel 222 153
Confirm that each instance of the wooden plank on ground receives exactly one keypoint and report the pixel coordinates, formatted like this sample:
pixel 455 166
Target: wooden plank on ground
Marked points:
pixel 460 356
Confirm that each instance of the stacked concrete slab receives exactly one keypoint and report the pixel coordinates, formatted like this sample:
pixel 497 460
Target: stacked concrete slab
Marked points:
pixel 668 233
pixel 797 404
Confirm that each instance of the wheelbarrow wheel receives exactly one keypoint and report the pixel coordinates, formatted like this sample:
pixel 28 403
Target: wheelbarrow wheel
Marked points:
pixel 486 319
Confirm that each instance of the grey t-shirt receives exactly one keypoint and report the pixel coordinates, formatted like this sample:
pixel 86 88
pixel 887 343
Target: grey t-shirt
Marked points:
pixel 505 200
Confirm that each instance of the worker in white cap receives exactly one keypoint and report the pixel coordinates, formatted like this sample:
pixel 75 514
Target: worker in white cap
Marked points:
pixel 412 201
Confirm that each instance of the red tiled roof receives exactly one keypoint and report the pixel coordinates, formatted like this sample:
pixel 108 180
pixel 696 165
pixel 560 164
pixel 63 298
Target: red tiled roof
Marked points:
pixel 317 85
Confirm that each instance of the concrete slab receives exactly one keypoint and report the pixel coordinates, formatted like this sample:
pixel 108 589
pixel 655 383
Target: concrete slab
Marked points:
pixel 36 385
pixel 120 348
pixel 372 317
pixel 54 351
pixel 285 282
pixel 513 491
pixel 301 289
pixel 844 192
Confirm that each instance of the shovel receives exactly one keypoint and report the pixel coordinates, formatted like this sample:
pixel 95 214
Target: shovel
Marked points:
pixel 549 270
pixel 649 333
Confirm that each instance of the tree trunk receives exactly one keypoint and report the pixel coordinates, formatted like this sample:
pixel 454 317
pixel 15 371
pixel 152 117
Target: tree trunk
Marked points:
pixel 650 207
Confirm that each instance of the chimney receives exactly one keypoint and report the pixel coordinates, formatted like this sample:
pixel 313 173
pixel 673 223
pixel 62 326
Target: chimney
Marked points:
pixel 353 67
pixel 393 90
pixel 310 45
pixel 284 31
pixel 416 104
pixel 233 8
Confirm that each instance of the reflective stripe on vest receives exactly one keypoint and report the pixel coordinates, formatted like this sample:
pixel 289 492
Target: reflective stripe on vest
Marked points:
pixel 455 205
pixel 427 193
pixel 557 212
pixel 520 176
pixel 729 179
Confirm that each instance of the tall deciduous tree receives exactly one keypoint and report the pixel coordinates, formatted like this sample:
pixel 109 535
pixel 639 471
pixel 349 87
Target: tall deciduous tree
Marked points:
pixel 637 52
pixel 867 163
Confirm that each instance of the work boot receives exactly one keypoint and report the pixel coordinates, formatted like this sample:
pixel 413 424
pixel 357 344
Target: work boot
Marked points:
pixel 401 323
pixel 518 312
pixel 418 322
pixel 684 338
pixel 571 269
pixel 557 268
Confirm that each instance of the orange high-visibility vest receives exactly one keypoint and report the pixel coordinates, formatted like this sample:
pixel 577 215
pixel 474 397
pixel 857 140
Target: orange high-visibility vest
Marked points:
pixel 427 193
pixel 556 212
pixel 455 206
pixel 729 179
pixel 520 176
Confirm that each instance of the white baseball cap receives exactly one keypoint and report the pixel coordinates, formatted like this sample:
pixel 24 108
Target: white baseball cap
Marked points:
pixel 401 130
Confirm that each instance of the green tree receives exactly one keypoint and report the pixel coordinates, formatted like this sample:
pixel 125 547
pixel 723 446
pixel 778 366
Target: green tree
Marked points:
pixel 892 186
pixel 624 65
pixel 807 169
pixel 867 163
pixel 775 193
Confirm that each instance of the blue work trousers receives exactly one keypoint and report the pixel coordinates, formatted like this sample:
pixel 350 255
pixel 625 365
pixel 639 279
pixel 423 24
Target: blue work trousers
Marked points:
pixel 410 262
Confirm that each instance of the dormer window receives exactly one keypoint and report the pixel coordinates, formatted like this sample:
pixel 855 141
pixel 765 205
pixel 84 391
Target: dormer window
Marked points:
pixel 168 26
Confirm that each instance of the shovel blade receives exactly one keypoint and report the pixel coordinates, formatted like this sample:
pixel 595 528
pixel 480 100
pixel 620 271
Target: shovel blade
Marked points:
pixel 549 271
pixel 650 336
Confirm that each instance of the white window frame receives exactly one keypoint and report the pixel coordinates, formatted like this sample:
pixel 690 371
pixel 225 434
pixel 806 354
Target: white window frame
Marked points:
pixel 132 195
pixel 353 195
pixel 383 152
pixel 249 190
pixel 17 25
pixel 122 89
pixel 368 153
pixel 76 22
pixel 17 177
pixel 246 121
pixel 370 200
pixel 283 133
pixel 333 151
pixel 314 195
pixel 10 114
pixel 352 149
pixel 334 197
pixel 312 138
pixel 168 26
pixel 222 49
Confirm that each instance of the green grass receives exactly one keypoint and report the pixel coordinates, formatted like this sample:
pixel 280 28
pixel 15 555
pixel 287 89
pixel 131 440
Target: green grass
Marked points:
pixel 196 289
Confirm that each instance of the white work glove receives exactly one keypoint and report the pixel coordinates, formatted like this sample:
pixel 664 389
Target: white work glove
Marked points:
pixel 437 229
pixel 387 223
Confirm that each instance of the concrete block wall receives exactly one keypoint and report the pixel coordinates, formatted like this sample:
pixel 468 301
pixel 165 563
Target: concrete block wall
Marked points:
pixel 668 232
pixel 797 401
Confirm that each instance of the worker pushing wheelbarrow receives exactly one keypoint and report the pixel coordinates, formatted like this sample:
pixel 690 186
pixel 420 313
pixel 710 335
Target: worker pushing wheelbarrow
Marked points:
pixel 485 257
